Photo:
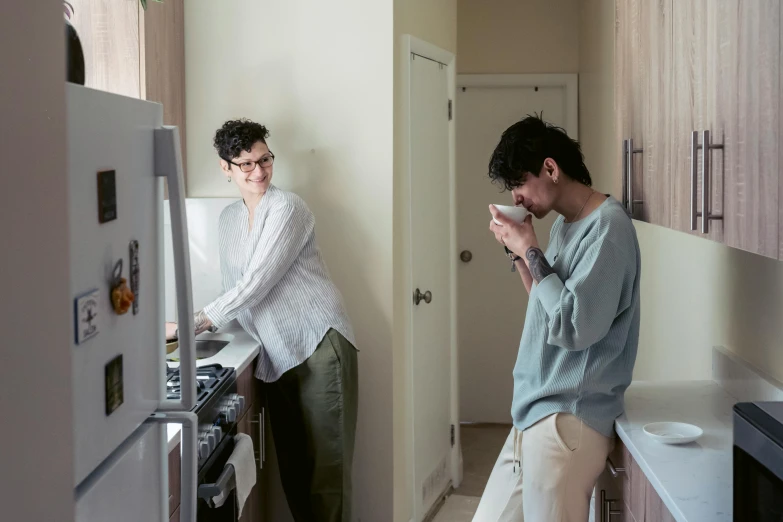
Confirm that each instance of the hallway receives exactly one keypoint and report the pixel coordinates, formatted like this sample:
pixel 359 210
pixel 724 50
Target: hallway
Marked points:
pixel 481 444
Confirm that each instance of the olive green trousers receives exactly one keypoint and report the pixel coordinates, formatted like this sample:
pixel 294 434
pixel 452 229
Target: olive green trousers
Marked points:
pixel 312 412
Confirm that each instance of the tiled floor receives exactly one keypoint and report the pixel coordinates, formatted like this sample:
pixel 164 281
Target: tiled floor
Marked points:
pixel 457 508
pixel 481 444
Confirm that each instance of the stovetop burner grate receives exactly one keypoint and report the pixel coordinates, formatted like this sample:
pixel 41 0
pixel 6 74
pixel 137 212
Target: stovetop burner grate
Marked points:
pixel 208 379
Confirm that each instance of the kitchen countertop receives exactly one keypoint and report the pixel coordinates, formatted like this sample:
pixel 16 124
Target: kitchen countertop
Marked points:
pixel 239 353
pixel 693 480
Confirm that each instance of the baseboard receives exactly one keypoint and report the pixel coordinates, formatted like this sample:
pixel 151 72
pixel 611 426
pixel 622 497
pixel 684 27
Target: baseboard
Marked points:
pixel 430 516
pixel 741 380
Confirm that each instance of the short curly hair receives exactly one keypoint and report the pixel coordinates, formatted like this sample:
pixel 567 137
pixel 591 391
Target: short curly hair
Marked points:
pixel 238 135
pixel 526 144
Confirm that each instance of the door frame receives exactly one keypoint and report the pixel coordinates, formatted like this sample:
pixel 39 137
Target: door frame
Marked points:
pixel 410 44
pixel 569 81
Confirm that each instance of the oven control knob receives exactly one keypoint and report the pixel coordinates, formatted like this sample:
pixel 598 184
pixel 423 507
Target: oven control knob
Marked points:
pixel 229 413
pixel 203 450
pixel 218 433
pixel 211 440
pixel 237 401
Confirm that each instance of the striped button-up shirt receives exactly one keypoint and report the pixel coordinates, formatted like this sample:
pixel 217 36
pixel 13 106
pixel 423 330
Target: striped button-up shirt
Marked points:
pixel 275 282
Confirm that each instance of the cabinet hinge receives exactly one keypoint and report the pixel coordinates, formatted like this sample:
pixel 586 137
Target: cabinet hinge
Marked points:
pixel 450 110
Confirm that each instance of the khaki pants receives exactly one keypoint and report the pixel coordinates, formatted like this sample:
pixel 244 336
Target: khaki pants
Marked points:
pixel 312 411
pixel 546 473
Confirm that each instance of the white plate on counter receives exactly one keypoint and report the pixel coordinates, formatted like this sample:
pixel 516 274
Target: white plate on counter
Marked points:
pixel 673 432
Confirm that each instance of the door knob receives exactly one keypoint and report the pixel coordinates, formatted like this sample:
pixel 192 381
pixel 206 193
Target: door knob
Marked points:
pixel 466 256
pixel 418 297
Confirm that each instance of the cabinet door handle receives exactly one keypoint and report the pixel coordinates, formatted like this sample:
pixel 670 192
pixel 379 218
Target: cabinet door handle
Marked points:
pixel 694 173
pixel 606 507
pixel 261 438
pixel 706 175
pixel 706 147
pixel 629 152
pixel 612 469
pixel 625 176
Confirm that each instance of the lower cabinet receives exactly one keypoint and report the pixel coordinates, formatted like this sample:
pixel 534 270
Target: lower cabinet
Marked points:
pixel 175 459
pixel 623 493
pixel 251 422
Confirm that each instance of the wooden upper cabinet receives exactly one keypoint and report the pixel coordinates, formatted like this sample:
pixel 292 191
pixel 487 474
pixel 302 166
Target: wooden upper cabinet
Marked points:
pixel 655 76
pixel 690 71
pixel 688 106
pixel 163 49
pixel 628 119
pixel 743 114
pixel 643 85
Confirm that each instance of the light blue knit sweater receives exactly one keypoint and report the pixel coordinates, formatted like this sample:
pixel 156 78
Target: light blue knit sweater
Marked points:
pixel 581 331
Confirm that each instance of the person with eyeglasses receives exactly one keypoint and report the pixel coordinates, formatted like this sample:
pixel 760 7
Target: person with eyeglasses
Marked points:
pixel 276 285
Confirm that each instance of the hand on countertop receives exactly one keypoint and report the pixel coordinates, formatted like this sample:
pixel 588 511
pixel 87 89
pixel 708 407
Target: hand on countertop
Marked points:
pixel 171 331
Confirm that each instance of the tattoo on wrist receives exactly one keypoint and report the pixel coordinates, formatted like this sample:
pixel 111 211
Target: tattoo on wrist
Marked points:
pixel 539 266
pixel 201 322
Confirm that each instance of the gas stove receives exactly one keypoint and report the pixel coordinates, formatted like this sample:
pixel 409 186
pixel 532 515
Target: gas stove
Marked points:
pixel 209 381
pixel 218 407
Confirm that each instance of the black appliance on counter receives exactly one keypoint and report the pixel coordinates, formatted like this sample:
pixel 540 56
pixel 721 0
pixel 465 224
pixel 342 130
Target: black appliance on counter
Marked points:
pixel 758 462
pixel 218 408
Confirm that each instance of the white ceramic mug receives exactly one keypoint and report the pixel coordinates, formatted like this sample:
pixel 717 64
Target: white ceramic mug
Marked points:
pixel 517 214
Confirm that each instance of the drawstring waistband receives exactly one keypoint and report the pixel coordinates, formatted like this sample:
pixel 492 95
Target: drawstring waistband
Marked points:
pixel 517 449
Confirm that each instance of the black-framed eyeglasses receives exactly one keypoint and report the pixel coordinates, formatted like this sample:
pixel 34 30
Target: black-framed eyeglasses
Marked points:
pixel 250 165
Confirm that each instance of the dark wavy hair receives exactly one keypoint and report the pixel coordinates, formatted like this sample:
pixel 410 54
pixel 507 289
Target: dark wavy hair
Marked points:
pixel 238 135
pixel 525 145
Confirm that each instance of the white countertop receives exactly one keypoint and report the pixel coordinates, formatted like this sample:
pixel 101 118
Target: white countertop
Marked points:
pixel 693 480
pixel 239 353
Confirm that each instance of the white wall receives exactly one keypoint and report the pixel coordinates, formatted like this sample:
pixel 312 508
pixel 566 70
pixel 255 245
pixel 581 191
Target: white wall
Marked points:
pixel 35 374
pixel 695 293
pixel 596 94
pixel 518 36
pixel 319 75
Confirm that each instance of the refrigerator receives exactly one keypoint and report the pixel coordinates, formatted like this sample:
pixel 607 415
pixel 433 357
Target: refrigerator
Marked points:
pixel 120 153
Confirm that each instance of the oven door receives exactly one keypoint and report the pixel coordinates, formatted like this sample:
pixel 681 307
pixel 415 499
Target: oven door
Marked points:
pixel 209 474
pixel 758 465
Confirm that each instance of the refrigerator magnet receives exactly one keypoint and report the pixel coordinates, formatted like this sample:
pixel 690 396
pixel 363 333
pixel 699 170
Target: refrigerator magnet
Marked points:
pixel 114 385
pixel 107 196
pixel 121 296
pixel 86 316
pixel 133 249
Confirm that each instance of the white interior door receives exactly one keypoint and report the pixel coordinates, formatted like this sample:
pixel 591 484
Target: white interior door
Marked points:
pixel 492 301
pixel 431 272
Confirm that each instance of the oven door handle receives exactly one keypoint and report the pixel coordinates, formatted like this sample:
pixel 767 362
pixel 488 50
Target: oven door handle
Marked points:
pixel 225 483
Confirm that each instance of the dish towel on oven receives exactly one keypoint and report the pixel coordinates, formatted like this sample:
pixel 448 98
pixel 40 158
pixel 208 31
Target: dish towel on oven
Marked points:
pixel 244 462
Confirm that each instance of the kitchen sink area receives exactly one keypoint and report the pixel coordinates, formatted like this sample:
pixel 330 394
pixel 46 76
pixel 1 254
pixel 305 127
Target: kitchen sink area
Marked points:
pixel 206 348
pixel 207 345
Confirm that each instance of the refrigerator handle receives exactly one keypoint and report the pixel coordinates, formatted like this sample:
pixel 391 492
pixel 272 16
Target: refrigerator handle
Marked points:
pixel 168 164
pixel 189 470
